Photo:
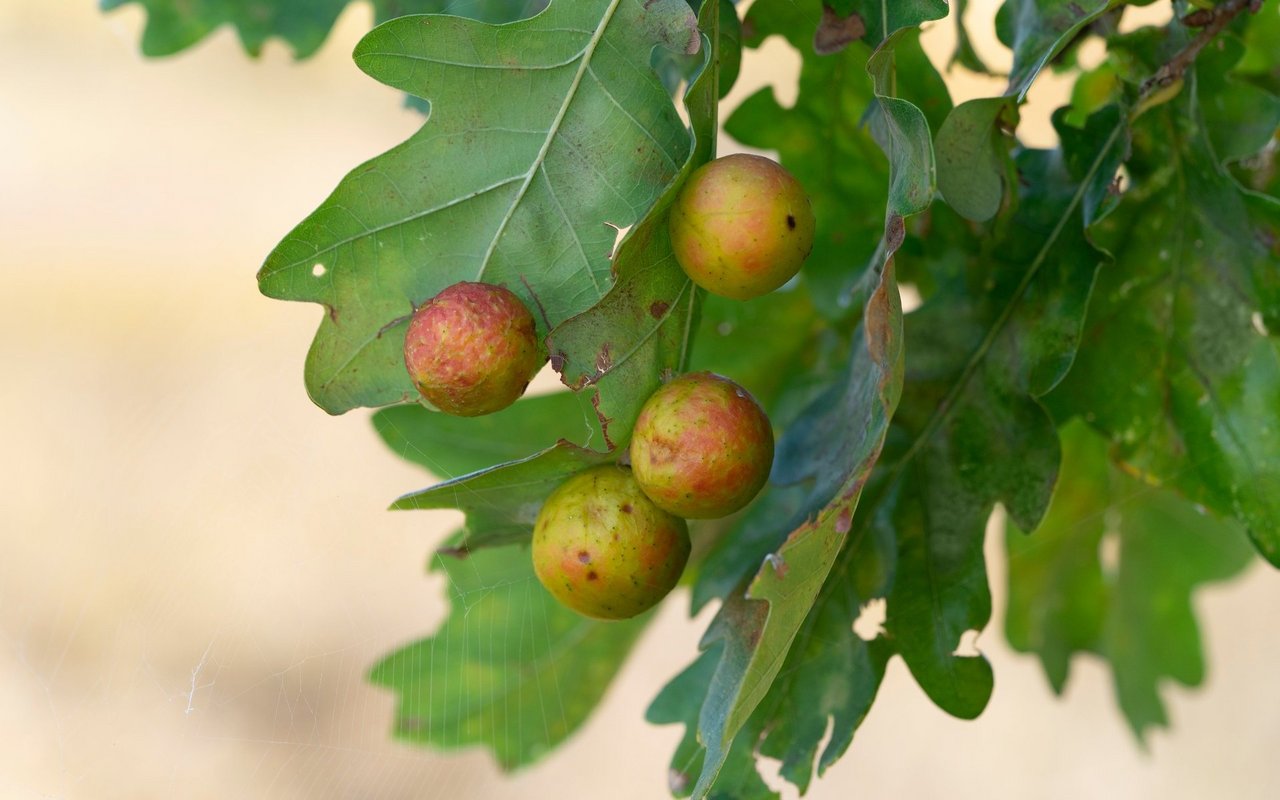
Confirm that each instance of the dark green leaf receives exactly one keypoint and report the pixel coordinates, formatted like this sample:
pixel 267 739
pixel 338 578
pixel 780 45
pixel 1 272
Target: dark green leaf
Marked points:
pixel 516 192
pixel 758 622
pixel 1241 118
pixel 1261 62
pixel 640 332
pixel 1037 30
pixel 677 68
pixel 678 703
pixel 973 156
pixel 758 626
pixel 511 669
pixel 759 342
pixel 451 446
pixel 884 18
pixel 902 131
pixel 977 434
pixel 502 502
pixel 1193 293
pixel 964 54
pixel 175 25
pixel 1132 606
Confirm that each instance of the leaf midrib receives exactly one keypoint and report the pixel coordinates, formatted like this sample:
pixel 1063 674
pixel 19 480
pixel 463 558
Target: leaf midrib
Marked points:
pixel 552 132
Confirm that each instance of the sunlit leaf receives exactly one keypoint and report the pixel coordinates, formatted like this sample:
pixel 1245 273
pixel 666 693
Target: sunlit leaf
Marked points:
pixel 520 191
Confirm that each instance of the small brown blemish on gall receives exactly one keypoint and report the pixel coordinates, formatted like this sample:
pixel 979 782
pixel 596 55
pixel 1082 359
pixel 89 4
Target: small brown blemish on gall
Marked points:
pixel 584 557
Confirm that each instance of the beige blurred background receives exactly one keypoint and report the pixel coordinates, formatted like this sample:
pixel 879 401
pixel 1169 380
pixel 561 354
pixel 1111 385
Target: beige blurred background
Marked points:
pixel 195 564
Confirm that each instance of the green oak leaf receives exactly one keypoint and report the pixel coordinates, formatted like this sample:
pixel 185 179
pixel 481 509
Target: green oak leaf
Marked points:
pixel 639 334
pixel 450 446
pixel 756 625
pixel 884 18
pixel 510 669
pixel 1242 118
pixel 972 162
pixel 519 191
pixel 1136 613
pixel 973 156
pixel 1194 293
pixel 971 432
pixel 955 446
pixel 1037 30
pixel 964 54
pixel 174 25
pixel 676 69
pixel 823 141
pixel 678 703
pixel 756 341
pixel 1261 62
pixel 502 502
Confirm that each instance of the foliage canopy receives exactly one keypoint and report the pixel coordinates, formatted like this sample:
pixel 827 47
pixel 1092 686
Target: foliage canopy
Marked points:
pixel 1095 349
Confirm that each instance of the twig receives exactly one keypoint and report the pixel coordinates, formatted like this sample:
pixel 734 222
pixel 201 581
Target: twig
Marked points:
pixel 1211 24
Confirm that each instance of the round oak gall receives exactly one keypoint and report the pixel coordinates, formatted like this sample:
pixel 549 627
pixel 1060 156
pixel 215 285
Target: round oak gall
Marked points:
pixel 741 226
pixel 604 549
pixel 702 446
pixel 472 349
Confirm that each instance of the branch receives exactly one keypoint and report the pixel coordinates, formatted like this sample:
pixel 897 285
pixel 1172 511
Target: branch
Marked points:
pixel 1212 22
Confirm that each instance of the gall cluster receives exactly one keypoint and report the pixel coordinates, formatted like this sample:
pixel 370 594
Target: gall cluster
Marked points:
pixel 612 541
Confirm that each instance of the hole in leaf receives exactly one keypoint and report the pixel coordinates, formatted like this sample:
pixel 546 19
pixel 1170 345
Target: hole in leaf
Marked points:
pixel 319 270
pixel 870 623
pixel 619 234
pixel 774 63
pixel 968 645
pixel 910 297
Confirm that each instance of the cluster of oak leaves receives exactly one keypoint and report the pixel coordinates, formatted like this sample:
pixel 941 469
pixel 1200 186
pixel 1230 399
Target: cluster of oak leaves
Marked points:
pixel 611 541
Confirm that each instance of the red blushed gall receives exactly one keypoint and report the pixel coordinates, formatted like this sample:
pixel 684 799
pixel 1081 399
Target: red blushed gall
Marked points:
pixel 472 349
pixel 604 549
pixel 741 226
pixel 702 446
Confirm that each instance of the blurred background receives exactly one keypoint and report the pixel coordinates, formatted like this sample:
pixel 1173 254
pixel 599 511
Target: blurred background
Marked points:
pixel 196 569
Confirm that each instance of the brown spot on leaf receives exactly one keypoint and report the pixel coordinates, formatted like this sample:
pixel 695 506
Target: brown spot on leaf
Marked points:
pixel 604 359
pixel 845 521
pixel 895 231
pixel 835 32
pixel 557 360
pixel 658 308
pixel 461 551
pixel 604 420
